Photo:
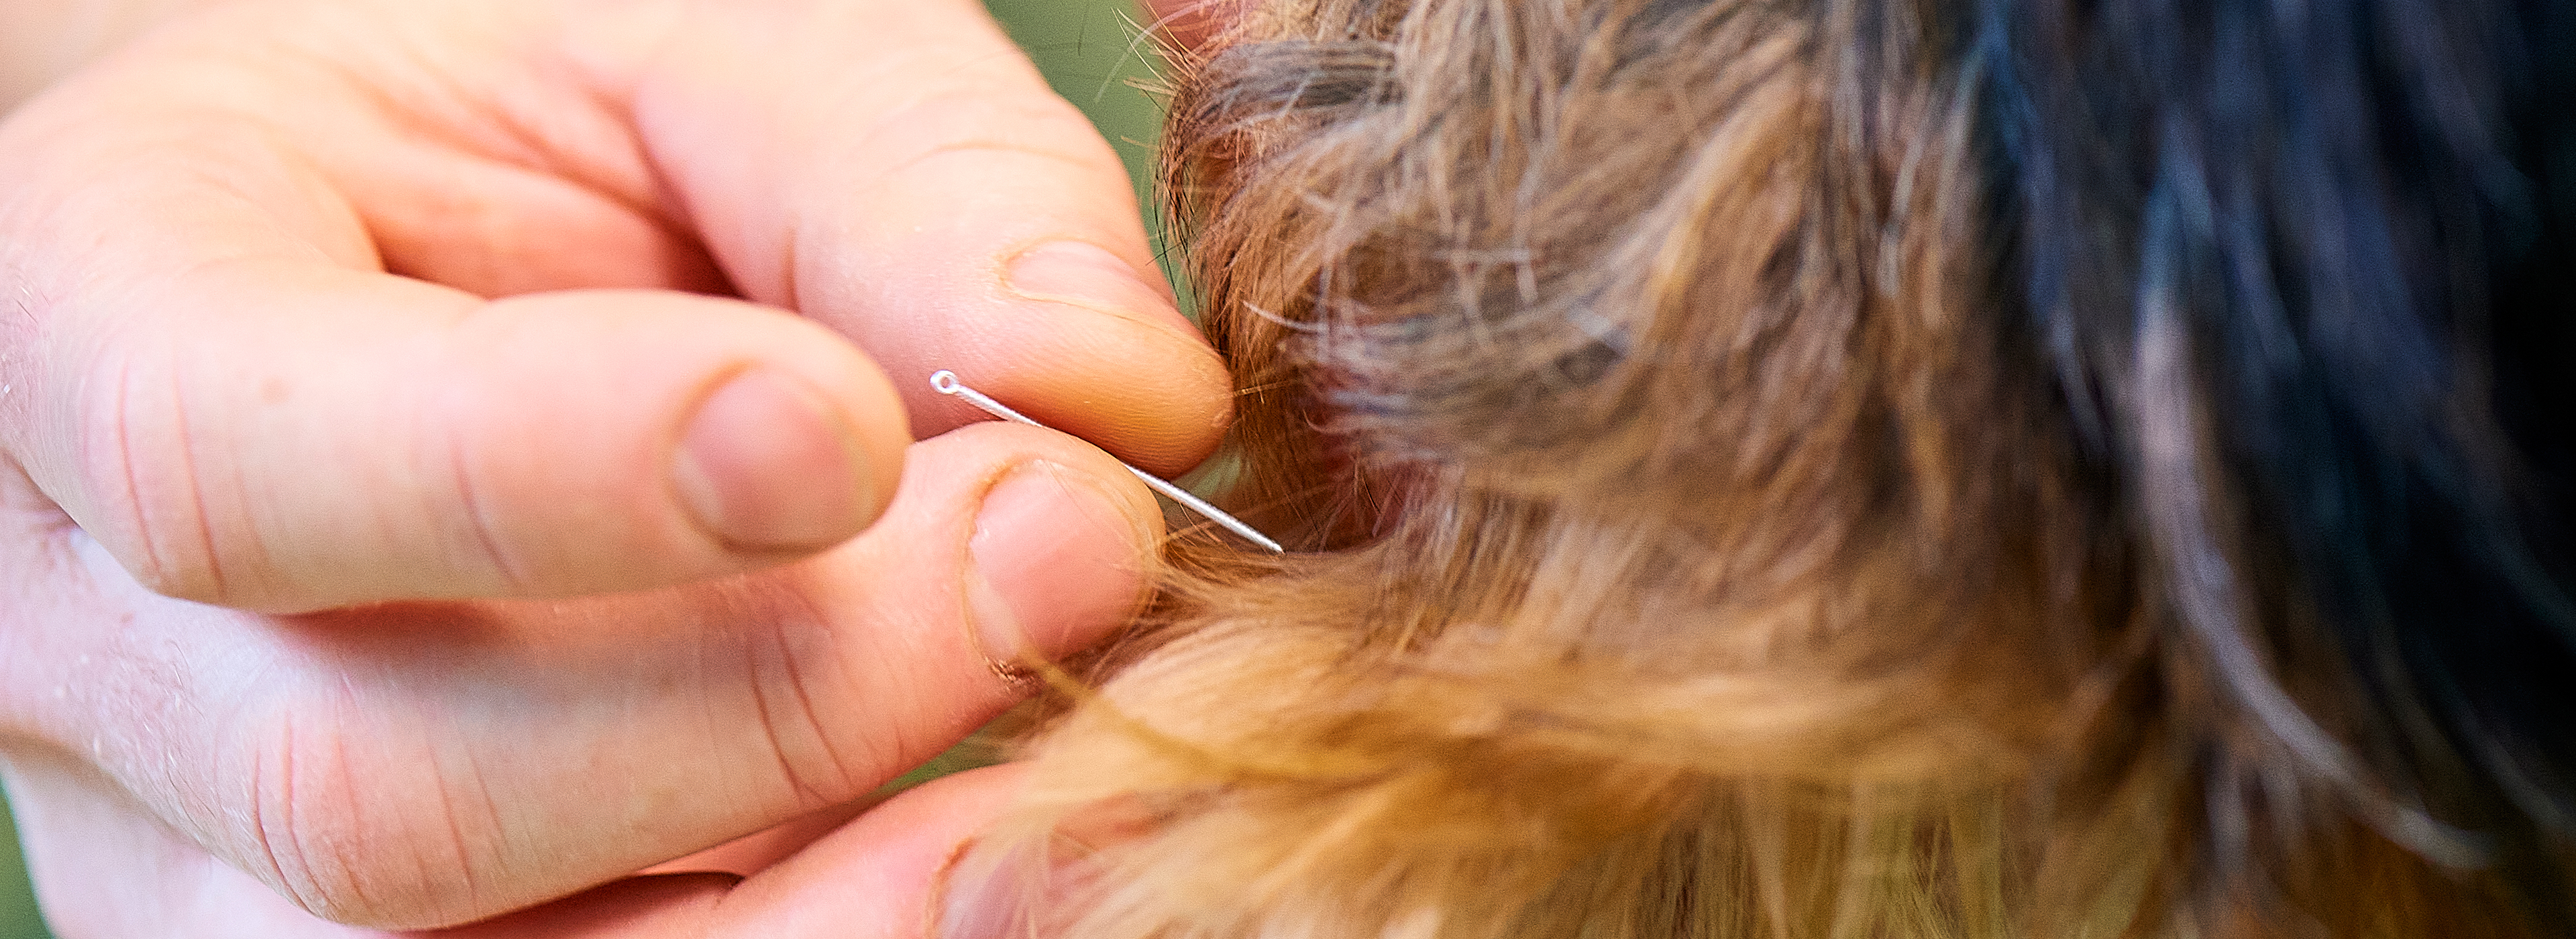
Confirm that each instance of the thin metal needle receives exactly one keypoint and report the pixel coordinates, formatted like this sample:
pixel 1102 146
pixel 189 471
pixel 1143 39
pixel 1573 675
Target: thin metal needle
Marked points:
pixel 945 382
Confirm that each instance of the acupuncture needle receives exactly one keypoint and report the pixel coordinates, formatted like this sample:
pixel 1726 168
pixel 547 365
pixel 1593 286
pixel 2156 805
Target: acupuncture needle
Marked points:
pixel 945 382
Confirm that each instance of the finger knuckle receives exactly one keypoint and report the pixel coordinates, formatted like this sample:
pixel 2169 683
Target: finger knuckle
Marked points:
pixel 324 835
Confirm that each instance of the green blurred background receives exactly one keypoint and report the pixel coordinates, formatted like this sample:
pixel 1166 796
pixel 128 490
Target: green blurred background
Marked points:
pixel 1089 52
pixel 17 905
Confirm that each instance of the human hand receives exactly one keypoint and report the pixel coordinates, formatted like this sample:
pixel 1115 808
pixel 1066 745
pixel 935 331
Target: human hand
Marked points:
pixel 394 591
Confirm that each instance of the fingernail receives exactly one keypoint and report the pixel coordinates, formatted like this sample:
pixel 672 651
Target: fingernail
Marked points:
pixel 982 900
pixel 767 463
pixel 1021 887
pixel 1057 564
pixel 1087 275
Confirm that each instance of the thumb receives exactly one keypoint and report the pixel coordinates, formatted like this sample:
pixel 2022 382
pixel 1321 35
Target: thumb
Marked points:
pixel 289 437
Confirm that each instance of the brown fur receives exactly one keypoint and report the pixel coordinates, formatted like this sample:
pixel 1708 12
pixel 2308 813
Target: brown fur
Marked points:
pixel 1684 553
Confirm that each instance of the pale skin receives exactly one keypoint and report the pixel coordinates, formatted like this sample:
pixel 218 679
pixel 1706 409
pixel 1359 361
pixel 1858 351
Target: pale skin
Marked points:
pixel 457 455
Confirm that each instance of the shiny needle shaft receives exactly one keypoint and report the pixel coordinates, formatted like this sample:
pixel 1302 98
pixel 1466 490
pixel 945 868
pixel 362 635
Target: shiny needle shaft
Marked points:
pixel 945 382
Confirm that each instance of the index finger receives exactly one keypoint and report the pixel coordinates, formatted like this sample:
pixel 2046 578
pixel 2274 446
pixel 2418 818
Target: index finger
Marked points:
pixel 901 172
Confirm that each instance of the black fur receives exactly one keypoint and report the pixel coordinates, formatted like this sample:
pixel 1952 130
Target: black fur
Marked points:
pixel 2304 271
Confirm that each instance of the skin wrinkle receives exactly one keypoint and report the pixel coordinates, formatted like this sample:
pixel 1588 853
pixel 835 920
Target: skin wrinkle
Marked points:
pixel 260 832
pixel 898 129
pixel 926 104
pixel 492 820
pixel 789 289
pixel 414 118
pixel 537 149
pixel 351 872
pixel 784 290
pixel 787 655
pixel 1014 256
pixel 464 857
pixel 156 572
pixel 496 211
pixel 655 193
pixel 613 76
pixel 900 747
pixel 189 470
pixel 356 249
pixel 901 744
pixel 500 202
pixel 802 792
pixel 203 263
pixel 764 607
pixel 649 195
pixel 283 840
pixel 417 849
pixel 542 161
pixel 889 177
pixel 405 117
pixel 22 335
pixel 399 113
pixel 478 512
pixel 53 547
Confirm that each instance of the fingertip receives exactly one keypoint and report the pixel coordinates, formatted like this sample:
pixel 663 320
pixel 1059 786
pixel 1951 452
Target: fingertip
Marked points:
pixel 1058 557
pixel 883 874
pixel 1137 377
pixel 767 462
pixel 1154 396
pixel 774 438
pixel 1008 546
